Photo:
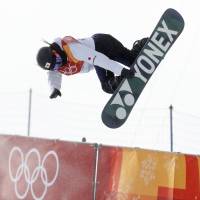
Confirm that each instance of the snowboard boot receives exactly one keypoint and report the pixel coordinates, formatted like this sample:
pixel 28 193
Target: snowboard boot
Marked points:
pixel 112 84
pixel 106 87
pixel 137 46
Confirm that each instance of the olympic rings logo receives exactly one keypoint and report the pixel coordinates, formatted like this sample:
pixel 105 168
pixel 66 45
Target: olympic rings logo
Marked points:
pixel 23 171
pixel 68 69
pixel 71 69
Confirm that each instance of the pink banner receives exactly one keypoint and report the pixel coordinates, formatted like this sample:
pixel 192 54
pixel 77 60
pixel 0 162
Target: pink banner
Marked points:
pixel 40 169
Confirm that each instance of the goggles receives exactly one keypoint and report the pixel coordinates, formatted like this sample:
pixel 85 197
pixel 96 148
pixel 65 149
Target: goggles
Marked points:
pixel 58 57
pixel 55 63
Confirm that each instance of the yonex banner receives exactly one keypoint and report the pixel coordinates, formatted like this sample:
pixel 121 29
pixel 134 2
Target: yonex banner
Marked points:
pixel 39 169
pixel 136 174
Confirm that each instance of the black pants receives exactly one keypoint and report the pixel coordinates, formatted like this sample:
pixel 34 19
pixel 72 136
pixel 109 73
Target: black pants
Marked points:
pixel 113 49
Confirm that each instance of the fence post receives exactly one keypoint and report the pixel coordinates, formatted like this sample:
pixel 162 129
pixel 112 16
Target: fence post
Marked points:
pixel 29 112
pixel 171 127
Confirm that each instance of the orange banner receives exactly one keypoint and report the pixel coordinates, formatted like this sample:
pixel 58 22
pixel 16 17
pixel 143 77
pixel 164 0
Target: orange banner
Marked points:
pixel 137 174
pixel 40 169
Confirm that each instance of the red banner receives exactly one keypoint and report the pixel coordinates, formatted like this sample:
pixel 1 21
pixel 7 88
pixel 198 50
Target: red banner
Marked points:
pixel 109 163
pixel 40 169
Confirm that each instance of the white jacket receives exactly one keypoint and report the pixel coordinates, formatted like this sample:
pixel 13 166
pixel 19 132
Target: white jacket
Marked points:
pixel 84 50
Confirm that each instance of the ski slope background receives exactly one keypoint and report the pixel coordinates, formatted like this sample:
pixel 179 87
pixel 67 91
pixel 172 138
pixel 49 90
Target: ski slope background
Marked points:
pixel 78 113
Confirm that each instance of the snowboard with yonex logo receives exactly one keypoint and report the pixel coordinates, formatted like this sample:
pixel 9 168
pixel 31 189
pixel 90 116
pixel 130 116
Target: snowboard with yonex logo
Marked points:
pixel 168 29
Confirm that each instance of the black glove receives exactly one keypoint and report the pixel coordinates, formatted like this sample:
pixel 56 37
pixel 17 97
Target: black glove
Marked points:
pixel 55 93
pixel 126 73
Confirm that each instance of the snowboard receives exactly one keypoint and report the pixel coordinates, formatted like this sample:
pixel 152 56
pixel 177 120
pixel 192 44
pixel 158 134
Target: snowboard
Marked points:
pixel 167 30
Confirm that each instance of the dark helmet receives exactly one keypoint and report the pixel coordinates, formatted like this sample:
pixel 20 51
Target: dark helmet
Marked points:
pixel 45 57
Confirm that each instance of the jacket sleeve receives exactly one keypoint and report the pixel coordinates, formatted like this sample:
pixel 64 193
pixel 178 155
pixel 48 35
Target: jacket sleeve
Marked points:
pixel 54 80
pixel 90 56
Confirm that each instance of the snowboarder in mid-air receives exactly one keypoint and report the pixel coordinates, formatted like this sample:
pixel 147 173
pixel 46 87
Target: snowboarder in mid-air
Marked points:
pixel 101 52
